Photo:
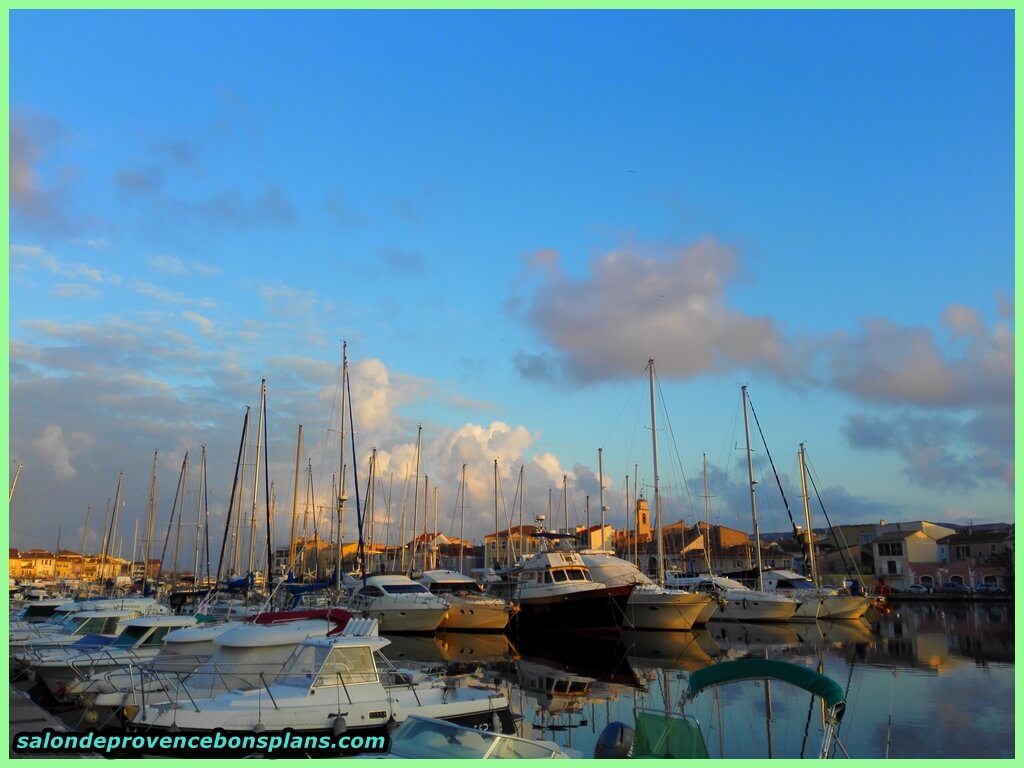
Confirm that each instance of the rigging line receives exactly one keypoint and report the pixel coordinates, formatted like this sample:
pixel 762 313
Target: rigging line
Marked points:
pixel 234 487
pixel 778 481
pixel 633 396
pixel 850 570
pixel 837 532
pixel 355 483
pixel 675 446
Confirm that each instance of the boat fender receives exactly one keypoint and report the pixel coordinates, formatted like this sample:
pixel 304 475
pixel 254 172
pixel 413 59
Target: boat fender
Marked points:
pixel 744 603
pixel 615 741
pixel 339 726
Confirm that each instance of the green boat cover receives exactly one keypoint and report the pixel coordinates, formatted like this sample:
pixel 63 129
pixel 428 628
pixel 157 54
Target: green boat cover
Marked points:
pixel 754 669
pixel 660 735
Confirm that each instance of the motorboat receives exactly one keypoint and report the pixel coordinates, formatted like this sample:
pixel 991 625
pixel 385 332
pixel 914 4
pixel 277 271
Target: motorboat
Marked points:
pixel 398 603
pixel 556 593
pixel 650 606
pixel 423 738
pixel 816 602
pixel 469 609
pixel 203 660
pixel 740 602
pixel 334 685
pixel 139 640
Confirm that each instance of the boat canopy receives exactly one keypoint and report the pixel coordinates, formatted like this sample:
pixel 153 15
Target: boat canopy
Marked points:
pixel 755 669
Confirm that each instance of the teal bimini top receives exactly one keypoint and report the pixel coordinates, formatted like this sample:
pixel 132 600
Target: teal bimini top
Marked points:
pixel 757 669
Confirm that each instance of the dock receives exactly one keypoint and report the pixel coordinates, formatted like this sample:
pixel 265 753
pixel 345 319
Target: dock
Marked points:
pixel 28 717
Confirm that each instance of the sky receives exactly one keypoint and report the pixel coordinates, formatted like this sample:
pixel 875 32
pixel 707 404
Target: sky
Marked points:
pixel 505 215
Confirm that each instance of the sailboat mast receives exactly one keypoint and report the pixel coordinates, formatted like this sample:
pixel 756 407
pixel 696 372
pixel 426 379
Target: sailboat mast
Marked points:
pixel 497 559
pixel 256 477
pixel 341 471
pixel 433 551
pixel 85 530
pixel 807 515
pixel 707 521
pixel 200 493
pixel 295 500
pixel 522 496
pixel 565 500
pixel 600 493
pixel 150 521
pixel 462 521
pixel 657 498
pixel 753 505
pixel 415 498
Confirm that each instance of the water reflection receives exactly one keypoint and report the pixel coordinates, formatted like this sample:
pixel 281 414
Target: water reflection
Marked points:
pixel 910 679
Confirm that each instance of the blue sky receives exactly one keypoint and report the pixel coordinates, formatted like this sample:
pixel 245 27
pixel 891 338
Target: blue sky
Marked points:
pixel 506 215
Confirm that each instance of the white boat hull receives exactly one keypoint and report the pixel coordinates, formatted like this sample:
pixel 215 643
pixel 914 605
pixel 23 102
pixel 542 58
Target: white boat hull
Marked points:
pixel 663 609
pixel 475 615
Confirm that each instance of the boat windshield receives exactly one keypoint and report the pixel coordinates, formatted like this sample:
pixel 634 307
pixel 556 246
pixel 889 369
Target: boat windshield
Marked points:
pixel 795 584
pixel 322 666
pixel 423 738
pixel 404 589
pixel 130 636
pixel 98 625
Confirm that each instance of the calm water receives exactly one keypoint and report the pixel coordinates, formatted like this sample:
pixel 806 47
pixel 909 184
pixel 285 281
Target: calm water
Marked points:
pixel 928 680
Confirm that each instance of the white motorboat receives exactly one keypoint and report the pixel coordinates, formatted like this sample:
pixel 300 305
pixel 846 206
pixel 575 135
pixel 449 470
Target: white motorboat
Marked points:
pixel 815 602
pixel 741 603
pixel 469 609
pixel 333 685
pixel 421 738
pixel 650 606
pixel 398 603
pixel 139 640
pixel 203 660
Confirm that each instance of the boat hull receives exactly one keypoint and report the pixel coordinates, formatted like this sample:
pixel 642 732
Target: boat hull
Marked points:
pixel 596 610
pixel 663 610
pixel 469 615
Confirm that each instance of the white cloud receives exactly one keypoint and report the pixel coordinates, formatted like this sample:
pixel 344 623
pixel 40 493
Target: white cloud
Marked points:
pixel 204 323
pixel 73 291
pixel 57 449
pixel 608 323
pixel 167 264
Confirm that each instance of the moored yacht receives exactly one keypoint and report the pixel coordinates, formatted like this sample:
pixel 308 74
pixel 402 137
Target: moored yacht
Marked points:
pixel 331 686
pixel 740 602
pixel 816 602
pixel 398 603
pixel 650 606
pixel 556 593
pixel 469 609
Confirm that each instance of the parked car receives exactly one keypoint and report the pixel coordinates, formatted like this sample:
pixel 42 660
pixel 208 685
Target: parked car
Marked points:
pixel 989 589
pixel 955 588
pixel 919 589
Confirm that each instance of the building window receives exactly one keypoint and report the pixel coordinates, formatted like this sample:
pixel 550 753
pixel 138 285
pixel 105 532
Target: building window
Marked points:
pixel 891 567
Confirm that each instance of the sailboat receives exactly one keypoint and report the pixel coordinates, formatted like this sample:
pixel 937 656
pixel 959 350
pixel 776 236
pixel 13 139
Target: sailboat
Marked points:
pixel 651 606
pixel 743 603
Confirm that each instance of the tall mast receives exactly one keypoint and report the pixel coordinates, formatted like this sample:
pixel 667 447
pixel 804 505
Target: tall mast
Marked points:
pixel 341 472
pixel 807 515
pixel 14 483
pixel 565 499
pixel 295 500
pixel 600 493
pixel 433 551
pixel 426 509
pixel 462 522
pixel 256 477
pixel 200 494
pixel 231 501
pixel 657 498
pixel 753 482
pixel 497 559
pixel 372 503
pixel 181 514
pixel 415 497
pixel 707 522
pixel 85 530
pixel 150 521
pixel 522 496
